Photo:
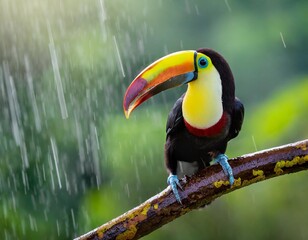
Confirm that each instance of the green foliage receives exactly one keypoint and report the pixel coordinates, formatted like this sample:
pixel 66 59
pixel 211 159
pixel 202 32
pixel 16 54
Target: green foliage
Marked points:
pixel 282 117
pixel 141 171
pixel 99 206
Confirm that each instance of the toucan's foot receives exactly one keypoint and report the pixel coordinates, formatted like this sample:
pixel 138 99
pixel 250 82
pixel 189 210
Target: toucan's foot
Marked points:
pixel 173 181
pixel 222 159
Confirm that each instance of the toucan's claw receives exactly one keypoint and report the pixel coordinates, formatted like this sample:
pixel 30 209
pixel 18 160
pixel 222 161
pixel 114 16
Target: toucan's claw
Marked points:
pixel 222 159
pixel 174 182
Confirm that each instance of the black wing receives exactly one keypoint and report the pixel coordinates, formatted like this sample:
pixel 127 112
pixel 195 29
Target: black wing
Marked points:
pixel 175 118
pixel 237 118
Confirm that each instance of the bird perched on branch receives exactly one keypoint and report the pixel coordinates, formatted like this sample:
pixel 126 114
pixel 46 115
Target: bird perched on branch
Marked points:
pixel 203 119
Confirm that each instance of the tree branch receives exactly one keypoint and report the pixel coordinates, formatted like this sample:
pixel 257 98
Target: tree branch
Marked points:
pixel 201 189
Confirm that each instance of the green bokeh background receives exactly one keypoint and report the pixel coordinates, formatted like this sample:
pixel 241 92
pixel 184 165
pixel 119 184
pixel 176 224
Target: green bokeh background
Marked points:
pixel 69 166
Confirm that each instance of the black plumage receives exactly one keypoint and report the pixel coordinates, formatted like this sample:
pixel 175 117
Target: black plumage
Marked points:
pixel 183 146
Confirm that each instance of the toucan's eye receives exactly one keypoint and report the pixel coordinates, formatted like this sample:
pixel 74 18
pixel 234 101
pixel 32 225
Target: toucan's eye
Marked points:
pixel 202 62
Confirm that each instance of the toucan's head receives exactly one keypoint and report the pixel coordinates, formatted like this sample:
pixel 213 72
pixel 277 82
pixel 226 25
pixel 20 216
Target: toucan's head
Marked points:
pixel 174 70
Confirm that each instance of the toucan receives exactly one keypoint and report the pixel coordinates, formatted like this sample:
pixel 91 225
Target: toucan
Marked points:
pixel 203 119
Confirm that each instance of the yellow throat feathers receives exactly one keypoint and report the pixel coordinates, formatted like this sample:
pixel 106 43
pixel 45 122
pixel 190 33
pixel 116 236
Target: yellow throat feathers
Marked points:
pixel 202 103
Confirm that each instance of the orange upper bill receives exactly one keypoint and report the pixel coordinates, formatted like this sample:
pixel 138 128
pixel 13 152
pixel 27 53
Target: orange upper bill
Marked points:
pixel 167 72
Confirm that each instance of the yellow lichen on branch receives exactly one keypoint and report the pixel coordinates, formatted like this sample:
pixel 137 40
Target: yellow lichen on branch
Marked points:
pixel 287 164
pixel 201 189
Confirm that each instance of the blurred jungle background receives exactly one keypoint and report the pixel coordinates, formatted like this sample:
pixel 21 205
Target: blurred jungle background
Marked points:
pixel 70 161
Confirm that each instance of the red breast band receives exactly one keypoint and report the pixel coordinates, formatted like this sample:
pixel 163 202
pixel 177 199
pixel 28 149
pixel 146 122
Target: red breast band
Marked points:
pixel 208 132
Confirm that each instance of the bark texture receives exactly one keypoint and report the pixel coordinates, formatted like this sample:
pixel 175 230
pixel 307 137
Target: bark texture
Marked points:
pixel 201 189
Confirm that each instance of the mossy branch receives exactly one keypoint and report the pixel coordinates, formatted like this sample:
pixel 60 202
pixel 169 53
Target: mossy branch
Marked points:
pixel 201 189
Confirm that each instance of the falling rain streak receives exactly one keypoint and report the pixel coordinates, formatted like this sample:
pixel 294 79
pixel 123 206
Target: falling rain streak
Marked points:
pixel 32 97
pixel 95 152
pixel 13 104
pixel 118 56
pixel 228 5
pixel 254 143
pixel 73 218
pixel 57 76
pixel 16 124
pixel 103 18
pixel 56 159
pixel 103 11
pixel 81 149
pixel 282 39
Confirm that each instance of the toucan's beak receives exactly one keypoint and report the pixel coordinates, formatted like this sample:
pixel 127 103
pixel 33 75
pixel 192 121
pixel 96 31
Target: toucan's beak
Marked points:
pixel 170 71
